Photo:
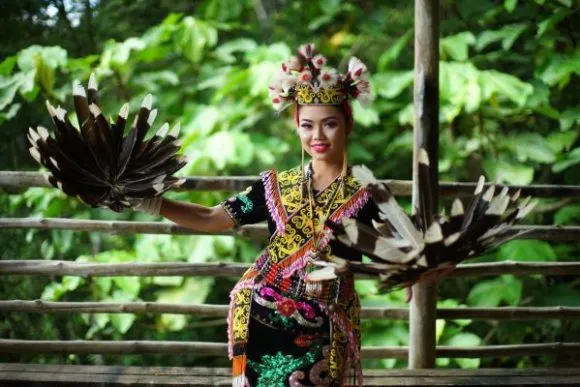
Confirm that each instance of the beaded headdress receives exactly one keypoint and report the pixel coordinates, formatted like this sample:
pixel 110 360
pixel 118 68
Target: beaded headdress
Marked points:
pixel 306 80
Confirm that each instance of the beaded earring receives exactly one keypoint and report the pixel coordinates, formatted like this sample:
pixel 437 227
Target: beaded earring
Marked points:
pixel 344 172
pixel 304 182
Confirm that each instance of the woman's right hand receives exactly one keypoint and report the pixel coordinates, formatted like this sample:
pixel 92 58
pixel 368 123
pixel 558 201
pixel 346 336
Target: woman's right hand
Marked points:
pixel 151 206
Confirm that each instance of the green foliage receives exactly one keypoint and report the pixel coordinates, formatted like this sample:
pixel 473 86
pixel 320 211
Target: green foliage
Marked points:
pixel 505 289
pixel 523 250
pixel 509 86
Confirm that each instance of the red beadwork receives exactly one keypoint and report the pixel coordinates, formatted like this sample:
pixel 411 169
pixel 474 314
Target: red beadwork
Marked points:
pixel 286 307
pixel 304 341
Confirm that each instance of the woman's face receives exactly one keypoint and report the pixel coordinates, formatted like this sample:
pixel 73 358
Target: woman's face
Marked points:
pixel 323 132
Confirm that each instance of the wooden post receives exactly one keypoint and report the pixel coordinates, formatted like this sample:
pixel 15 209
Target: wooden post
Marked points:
pixel 426 135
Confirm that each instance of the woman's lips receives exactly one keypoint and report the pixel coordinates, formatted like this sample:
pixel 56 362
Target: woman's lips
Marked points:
pixel 320 148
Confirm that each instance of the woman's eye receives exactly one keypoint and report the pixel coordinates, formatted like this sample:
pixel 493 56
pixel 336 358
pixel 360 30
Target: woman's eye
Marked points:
pixel 305 126
pixel 331 124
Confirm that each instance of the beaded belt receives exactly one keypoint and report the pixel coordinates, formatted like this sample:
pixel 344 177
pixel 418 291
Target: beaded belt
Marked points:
pixel 325 292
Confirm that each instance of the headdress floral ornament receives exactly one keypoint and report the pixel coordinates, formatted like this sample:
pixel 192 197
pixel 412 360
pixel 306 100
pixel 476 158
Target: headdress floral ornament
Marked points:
pixel 306 80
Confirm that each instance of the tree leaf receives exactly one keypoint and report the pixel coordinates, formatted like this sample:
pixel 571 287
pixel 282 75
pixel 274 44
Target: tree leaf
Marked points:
pixel 465 339
pixel 507 35
pixel 104 285
pixel 492 293
pixel 366 287
pixel 8 88
pixel 7 65
pixel 10 113
pixel 467 362
pixel 457 46
pixel 225 51
pixel 508 172
pixel 459 85
pixel 365 116
pixel 439 328
pixel 28 88
pixel 530 146
pixel 70 283
pixel 122 322
pixel 393 52
pixel 129 285
pixel 493 83
pixel 569 118
pixel 52 292
pixel 167 281
pixel 172 322
pixel 549 23
pixel 560 68
pixel 44 75
pixel 570 159
pixel 510 5
pixel 194 291
pixel 193 37
pixel 54 57
pixel 527 250
pixel 392 83
pixel 561 141
pixel 568 215
pixel 220 148
pixel 222 10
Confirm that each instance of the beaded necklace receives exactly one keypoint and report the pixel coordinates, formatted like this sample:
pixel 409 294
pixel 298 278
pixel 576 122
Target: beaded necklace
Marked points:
pixel 315 287
pixel 317 235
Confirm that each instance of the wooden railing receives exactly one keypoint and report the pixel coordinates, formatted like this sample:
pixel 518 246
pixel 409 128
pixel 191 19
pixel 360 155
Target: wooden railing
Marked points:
pixel 11 181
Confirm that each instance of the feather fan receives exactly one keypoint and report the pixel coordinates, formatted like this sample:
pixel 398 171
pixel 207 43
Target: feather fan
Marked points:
pixel 101 164
pixel 405 249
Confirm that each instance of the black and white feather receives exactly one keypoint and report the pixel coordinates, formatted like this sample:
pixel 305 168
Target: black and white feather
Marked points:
pixel 101 164
pixel 403 249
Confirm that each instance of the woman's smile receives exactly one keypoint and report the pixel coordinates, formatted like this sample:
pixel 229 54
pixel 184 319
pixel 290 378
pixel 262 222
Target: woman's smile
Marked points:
pixel 320 147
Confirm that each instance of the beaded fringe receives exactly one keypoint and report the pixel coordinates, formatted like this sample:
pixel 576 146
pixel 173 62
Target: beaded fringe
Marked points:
pixel 273 200
pixel 314 287
pixel 352 206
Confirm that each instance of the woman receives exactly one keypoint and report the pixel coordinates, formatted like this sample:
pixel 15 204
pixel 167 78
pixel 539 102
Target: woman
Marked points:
pixel 286 328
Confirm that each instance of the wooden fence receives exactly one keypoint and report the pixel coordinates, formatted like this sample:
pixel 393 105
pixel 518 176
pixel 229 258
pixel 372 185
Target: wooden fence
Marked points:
pixel 13 181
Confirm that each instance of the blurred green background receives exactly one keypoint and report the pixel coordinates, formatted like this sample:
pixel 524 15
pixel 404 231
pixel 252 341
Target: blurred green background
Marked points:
pixel 510 84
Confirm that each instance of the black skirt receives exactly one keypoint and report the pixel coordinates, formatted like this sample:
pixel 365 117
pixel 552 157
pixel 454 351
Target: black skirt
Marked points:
pixel 289 342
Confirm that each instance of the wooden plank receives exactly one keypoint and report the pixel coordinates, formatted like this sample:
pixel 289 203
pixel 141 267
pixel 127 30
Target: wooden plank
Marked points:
pixel 113 347
pixel 86 269
pixel 515 268
pixel 203 376
pixel 20 180
pixel 219 349
pixel 544 349
pixel 230 269
pixel 136 380
pixel 207 310
pixel 225 371
pixel 251 231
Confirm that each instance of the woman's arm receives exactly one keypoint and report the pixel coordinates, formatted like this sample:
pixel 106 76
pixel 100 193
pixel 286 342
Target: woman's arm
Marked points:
pixel 195 216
